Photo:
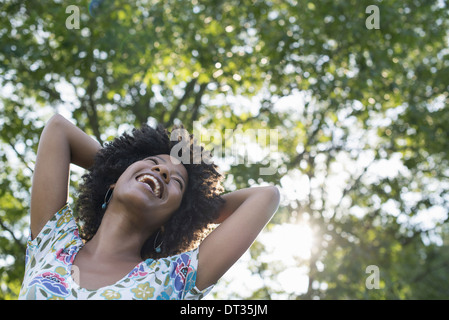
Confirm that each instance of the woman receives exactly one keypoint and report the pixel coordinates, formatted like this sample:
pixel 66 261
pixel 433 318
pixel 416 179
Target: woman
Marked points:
pixel 141 219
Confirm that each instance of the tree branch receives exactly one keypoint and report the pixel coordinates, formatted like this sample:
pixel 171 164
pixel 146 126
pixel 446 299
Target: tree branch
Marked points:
pixel 17 241
pixel 197 103
pixel 20 156
pixel 189 88
pixel 93 115
pixel 352 186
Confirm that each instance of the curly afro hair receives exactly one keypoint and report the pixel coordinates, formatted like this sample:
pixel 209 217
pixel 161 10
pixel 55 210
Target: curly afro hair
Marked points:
pixel 188 225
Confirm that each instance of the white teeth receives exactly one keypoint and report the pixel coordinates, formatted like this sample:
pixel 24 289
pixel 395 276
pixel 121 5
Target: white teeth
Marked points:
pixel 145 179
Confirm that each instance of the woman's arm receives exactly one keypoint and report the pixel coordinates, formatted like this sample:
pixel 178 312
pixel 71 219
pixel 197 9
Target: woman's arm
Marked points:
pixel 60 144
pixel 243 216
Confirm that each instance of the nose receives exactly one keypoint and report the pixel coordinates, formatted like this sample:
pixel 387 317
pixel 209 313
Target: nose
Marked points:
pixel 163 172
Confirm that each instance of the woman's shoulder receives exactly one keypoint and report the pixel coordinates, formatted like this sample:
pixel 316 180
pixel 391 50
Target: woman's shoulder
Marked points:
pixel 58 229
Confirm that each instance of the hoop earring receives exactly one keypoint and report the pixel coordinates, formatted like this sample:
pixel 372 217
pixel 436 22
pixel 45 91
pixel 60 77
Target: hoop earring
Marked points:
pixel 157 248
pixel 107 198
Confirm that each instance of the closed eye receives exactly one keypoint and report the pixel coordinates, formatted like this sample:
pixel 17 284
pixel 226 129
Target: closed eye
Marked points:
pixel 180 183
pixel 152 159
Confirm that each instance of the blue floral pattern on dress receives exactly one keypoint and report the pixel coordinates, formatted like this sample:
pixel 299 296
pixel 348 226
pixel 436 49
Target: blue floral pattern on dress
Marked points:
pixel 179 273
pixel 52 283
pixel 50 256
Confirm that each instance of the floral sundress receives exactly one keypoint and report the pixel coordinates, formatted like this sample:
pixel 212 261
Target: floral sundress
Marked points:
pixel 49 276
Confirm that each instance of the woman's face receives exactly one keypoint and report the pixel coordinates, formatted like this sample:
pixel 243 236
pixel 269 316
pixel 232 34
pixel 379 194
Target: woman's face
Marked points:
pixel 152 189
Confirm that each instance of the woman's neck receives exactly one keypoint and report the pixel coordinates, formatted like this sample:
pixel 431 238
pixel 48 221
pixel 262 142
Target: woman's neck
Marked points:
pixel 117 238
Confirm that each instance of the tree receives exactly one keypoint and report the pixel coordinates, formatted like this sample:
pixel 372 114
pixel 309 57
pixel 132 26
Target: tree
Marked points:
pixel 359 98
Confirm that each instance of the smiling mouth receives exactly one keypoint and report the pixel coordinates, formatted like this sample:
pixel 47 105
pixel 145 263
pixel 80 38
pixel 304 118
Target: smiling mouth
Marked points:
pixel 154 184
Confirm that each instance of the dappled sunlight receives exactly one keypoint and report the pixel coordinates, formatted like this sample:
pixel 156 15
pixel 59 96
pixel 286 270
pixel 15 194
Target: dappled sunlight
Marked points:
pixel 288 242
pixel 287 249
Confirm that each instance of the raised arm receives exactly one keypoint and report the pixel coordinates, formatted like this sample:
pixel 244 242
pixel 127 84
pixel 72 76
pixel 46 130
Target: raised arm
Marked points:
pixel 60 144
pixel 243 216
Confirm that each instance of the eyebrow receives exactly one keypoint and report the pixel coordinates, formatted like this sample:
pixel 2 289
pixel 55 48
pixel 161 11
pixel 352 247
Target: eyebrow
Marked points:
pixel 179 173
